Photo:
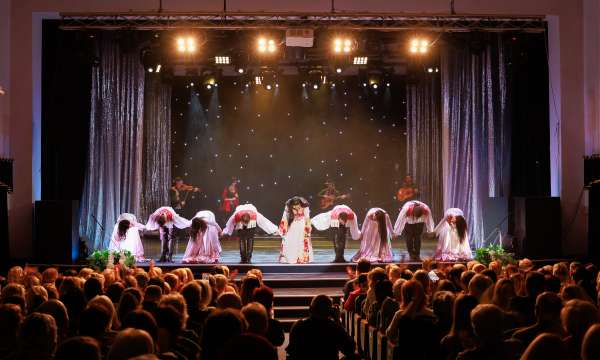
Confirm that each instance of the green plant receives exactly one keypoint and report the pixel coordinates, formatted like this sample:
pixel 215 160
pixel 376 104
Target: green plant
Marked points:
pixel 99 258
pixel 492 252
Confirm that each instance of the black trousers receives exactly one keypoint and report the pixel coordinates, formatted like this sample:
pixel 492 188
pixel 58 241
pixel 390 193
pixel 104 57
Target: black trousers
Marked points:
pixel 412 236
pixel 337 235
pixel 246 244
pixel 166 244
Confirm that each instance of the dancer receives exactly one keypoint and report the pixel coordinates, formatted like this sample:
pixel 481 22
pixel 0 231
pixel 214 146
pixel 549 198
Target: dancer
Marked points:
pixel 126 236
pixel 203 246
pixel 453 237
pixel 295 228
pixel 414 218
pixel 338 221
pixel 376 236
pixel 163 219
pixel 244 221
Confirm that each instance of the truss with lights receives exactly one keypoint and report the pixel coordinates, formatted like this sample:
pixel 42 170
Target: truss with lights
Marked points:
pixel 345 20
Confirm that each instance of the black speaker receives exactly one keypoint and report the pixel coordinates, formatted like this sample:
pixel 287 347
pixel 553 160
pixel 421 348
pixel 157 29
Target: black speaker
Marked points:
pixel 56 234
pixel 594 220
pixel 537 226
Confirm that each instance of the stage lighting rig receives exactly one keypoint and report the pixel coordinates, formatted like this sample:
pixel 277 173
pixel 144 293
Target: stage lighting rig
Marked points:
pixel 419 46
pixel 151 60
pixel 266 45
pixel 316 78
pixel 360 60
pixel 343 45
pixel 186 44
pixel 222 60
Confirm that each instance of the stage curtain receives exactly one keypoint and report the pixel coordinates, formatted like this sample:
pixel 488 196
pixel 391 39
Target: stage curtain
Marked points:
pixel 424 139
pixel 475 134
pixel 157 145
pixel 114 170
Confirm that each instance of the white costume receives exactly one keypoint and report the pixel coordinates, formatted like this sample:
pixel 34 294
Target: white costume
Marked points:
pixel 296 247
pixel 371 247
pixel 329 219
pixel 173 219
pixel 205 248
pixel 256 219
pixel 449 247
pixel 131 241
pixel 405 217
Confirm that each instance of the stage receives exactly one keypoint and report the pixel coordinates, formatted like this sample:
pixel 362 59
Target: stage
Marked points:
pixel 266 251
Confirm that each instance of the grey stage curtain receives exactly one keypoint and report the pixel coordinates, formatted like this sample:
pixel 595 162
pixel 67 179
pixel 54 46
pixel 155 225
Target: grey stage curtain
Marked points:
pixel 424 140
pixel 475 136
pixel 157 145
pixel 114 169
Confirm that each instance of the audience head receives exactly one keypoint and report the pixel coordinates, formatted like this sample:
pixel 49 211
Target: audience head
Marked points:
pixel 79 347
pixel 248 347
pixel 383 290
pixel 92 288
pixel 153 293
pixel 321 307
pixel 38 336
pixel 534 283
pixel 486 320
pixel 590 349
pixel 577 317
pixel 461 319
pixel 249 284
pixel 504 291
pixel 58 311
pixel 257 318
pixel 143 320
pixel 264 295
pixel 130 343
pixel 95 321
pixel 548 307
pixel 413 292
pixel 397 289
pixel 478 285
pixel 363 266
pixel 221 326
pixel 229 301
pixel 546 346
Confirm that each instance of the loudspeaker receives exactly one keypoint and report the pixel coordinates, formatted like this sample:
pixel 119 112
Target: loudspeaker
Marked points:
pixel 56 235
pixel 537 226
pixel 594 220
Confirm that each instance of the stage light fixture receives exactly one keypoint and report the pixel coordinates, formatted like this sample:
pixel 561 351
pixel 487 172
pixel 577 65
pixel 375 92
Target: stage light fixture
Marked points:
pixel 432 70
pixel 269 87
pixel 360 60
pixel 257 80
pixel 338 70
pixel 419 46
pixel 316 86
pixel 208 86
pixel 151 59
pixel 266 45
pixel 158 67
pixel 186 44
pixel 222 60
pixel 240 70
pixel 342 45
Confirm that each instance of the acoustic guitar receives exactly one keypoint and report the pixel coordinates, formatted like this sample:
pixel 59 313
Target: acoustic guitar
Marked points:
pixel 326 201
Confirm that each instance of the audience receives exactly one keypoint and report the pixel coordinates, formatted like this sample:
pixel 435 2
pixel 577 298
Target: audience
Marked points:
pixel 440 311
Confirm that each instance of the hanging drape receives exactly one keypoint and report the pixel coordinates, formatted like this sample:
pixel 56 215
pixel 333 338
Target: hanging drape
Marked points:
pixel 424 139
pixel 114 168
pixel 475 135
pixel 157 145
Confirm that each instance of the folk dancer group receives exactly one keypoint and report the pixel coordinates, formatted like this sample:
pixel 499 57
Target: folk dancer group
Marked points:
pixel 295 230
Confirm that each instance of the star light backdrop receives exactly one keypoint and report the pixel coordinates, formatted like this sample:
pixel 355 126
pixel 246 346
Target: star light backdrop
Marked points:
pixel 288 141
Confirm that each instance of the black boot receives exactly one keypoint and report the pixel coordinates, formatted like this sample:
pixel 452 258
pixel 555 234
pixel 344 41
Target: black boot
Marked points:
pixel 164 244
pixel 249 249
pixel 243 250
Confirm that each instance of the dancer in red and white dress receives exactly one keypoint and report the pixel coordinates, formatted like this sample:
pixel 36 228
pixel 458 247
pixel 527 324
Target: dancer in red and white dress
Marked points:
pixel 414 218
pixel 295 229
pixel 338 220
pixel 203 246
pixel 376 236
pixel 453 237
pixel 163 219
pixel 126 236
pixel 244 221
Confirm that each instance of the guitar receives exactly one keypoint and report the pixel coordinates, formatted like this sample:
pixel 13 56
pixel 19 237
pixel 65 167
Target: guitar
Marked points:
pixel 326 201
pixel 406 193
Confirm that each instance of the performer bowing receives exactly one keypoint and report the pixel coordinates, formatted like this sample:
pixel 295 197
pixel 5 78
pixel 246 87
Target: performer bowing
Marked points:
pixel 376 236
pixel 244 221
pixel 338 221
pixel 163 219
pixel 180 192
pixel 413 220
pixel 295 229
pixel 453 237
pixel 126 236
pixel 203 246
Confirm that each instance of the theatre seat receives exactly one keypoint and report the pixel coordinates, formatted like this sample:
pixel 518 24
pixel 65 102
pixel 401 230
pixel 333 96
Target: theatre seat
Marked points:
pixel 382 344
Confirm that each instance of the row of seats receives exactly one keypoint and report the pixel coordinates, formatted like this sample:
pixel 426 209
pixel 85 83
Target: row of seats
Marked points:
pixel 372 344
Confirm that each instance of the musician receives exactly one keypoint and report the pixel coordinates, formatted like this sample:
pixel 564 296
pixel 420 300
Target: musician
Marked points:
pixel 329 196
pixel 230 198
pixel 244 221
pixel 408 191
pixel 180 192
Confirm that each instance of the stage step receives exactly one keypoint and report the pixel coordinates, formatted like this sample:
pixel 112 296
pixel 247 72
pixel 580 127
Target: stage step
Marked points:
pixel 292 304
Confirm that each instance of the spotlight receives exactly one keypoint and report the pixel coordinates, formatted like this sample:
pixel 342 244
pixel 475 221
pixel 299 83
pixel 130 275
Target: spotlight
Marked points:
pixel 303 85
pixel 269 87
pixel 332 85
pixel 222 60
pixel 360 60
pixel 342 45
pixel 374 86
pixel 186 44
pixel 315 86
pixel 316 78
pixel 266 45
pixel 338 70
pixel 387 84
pixel 257 80
pixel 432 70
pixel 208 86
pixel 158 67
pixel 419 46
pixel 240 70
pixel 150 59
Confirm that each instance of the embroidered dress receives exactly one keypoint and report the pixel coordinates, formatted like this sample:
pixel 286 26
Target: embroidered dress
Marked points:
pixel 296 247
pixel 371 246
pixel 449 247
